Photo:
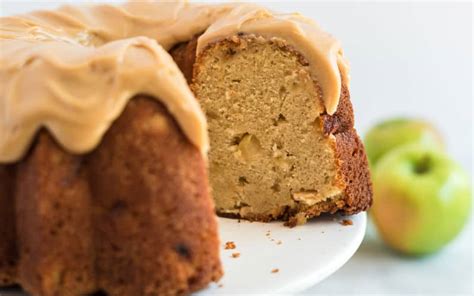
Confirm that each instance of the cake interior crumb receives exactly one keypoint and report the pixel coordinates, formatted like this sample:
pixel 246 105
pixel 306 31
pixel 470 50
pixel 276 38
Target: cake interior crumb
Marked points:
pixel 273 166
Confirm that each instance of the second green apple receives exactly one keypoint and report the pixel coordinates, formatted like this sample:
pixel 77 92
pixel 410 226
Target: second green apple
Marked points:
pixel 394 133
pixel 422 199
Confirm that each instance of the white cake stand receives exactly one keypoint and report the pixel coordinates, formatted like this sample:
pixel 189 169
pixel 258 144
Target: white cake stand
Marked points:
pixel 276 259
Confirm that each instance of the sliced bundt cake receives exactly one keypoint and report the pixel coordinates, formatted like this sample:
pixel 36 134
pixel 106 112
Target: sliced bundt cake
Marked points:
pixel 103 146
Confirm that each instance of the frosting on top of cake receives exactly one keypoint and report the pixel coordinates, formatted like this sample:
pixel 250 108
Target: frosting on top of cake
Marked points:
pixel 73 70
pixel 322 51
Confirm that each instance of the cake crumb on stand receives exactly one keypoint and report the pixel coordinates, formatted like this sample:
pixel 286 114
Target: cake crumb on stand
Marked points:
pixel 229 245
pixel 347 222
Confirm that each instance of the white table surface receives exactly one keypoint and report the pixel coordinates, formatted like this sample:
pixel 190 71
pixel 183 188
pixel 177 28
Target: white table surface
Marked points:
pixel 411 58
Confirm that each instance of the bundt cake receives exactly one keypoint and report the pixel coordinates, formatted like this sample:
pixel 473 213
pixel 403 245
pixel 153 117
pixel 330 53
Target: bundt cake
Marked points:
pixel 103 182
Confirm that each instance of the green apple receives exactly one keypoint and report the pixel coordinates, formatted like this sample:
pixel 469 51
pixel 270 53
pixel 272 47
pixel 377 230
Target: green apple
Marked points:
pixel 393 133
pixel 422 199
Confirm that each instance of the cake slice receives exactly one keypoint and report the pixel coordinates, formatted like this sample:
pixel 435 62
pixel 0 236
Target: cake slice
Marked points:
pixel 282 147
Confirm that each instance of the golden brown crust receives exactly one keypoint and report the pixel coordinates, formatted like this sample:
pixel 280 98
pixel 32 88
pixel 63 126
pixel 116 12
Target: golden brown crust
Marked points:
pixel 157 198
pixel 8 250
pixel 350 152
pixel 132 218
pixel 184 55
pixel 343 119
pixel 352 161
pixel 54 225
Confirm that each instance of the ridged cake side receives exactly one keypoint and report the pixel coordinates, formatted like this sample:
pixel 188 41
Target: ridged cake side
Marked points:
pixel 133 217
pixel 8 245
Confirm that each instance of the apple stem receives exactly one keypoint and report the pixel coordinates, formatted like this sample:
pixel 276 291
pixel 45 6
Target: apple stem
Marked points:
pixel 423 165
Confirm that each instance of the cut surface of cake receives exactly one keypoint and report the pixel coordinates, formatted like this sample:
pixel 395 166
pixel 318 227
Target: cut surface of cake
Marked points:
pixel 271 157
pixel 275 90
